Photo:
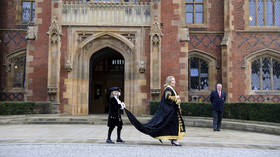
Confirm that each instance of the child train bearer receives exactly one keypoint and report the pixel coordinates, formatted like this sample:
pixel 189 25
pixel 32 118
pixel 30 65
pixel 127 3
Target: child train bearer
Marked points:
pixel 114 117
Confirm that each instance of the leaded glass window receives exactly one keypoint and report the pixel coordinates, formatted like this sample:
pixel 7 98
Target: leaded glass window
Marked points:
pixel 256 75
pixel 276 74
pixel 194 11
pixel 265 74
pixel 16 67
pixel 28 11
pixel 19 72
pixel 198 74
pixel 264 12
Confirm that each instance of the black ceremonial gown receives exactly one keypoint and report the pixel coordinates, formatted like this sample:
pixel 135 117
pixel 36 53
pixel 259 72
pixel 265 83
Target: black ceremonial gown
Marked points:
pixel 167 122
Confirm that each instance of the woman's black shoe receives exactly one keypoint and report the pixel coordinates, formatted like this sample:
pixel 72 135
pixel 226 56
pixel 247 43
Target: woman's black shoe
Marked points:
pixel 174 143
pixel 160 140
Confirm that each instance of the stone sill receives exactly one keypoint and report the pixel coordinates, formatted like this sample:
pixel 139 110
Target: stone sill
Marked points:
pixel 259 30
pixel 199 92
pixel 92 25
pixel 195 25
pixel 13 30
pixel 264 92
pixel 207 32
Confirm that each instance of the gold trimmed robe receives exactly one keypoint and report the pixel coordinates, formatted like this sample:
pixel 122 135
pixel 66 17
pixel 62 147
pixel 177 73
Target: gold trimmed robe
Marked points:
pixel 167 122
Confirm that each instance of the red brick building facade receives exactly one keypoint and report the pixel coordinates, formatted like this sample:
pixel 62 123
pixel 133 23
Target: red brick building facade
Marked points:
pixel 70 52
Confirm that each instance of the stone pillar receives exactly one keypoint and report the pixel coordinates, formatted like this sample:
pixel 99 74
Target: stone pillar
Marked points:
pixel 54 64
pixel 226 63
pixel 155 51
pixel 185 38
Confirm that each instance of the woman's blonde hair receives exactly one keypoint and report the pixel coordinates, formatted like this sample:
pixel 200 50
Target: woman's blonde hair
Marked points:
pixel 168 80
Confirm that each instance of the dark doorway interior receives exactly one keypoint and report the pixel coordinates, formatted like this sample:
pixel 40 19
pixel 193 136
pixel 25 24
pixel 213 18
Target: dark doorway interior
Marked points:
pixel 106 71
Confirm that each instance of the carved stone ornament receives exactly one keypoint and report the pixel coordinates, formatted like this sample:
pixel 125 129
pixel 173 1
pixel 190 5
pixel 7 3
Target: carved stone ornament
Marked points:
pixel 226 39
pixel 68 65
pixel 156 35
pixel 184 35
pixel 54 31
pixel 52 90
pixel 142 68
pixel 31 33
pixel 155 30
pixel 155 91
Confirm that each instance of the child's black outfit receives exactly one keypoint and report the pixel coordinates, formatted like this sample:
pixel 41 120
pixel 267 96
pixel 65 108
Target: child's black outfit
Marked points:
pixel 114 117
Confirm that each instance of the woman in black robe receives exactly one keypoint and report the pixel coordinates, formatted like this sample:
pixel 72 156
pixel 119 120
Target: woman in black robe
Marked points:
pixel 167 122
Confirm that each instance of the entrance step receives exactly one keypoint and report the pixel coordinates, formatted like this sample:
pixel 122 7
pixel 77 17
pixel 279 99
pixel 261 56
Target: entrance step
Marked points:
pixel 101 119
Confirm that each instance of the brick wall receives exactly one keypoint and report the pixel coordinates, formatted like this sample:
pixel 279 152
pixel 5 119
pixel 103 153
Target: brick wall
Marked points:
pixel 170 46
pixel 216 15
pixel 12 36
pixel 243 44
pixel 39 51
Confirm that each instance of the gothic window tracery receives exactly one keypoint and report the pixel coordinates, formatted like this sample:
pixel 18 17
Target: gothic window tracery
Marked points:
pixel 264 12
pixel 16 69
pixel 265 73
pixel 198 74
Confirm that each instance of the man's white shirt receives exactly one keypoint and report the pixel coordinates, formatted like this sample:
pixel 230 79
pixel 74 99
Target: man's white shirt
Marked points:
pixel 119 102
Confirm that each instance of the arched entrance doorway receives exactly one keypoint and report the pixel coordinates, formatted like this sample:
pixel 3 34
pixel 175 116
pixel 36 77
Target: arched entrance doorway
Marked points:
pixel 78 84
pixel 106 70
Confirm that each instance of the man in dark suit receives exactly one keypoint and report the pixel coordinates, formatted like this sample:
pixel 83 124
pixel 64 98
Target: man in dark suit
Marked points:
pixel 217 98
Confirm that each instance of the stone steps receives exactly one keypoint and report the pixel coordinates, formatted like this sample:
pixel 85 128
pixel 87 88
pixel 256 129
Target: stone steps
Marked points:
pixel 252 126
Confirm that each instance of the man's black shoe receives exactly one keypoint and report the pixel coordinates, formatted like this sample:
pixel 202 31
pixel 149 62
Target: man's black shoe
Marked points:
pixel 109 141
pixel 120 141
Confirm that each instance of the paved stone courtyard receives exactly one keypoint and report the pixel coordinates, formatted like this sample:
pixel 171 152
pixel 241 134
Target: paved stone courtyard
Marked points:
pixel 127 150
pixel 89 140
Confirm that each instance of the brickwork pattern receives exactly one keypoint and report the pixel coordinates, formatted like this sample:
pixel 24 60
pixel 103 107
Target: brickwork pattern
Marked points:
pixel 243 45
pixel 11 96
pixel 39 52
pixel 216 15
pixel 209 43
pixel 13 40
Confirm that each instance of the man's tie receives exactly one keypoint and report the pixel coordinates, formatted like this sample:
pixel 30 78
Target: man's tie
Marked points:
pixel 219 93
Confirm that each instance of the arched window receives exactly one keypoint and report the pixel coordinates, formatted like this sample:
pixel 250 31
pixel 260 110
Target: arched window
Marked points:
pixel 198 74
pixel 265 73
pixel 16 69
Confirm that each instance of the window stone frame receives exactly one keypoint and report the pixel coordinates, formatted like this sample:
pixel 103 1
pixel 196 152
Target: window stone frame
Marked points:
pixel 10 71
pixel 206 6
pixel 255 28
pixel 248 62
pixel 19 20
pixel 212 71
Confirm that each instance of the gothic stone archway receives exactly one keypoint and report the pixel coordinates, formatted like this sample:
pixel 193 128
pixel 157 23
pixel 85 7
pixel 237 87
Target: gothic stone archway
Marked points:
pixel 77 83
